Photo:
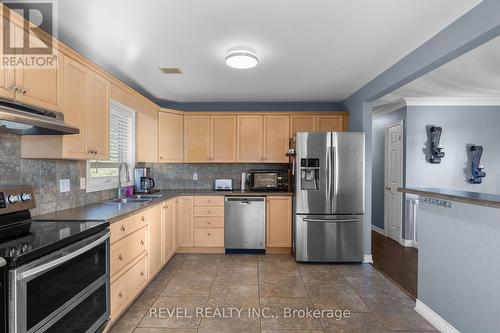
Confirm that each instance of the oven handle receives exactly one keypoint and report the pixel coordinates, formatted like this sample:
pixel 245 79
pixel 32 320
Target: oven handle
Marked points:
pixel 47 266
pixel 2 262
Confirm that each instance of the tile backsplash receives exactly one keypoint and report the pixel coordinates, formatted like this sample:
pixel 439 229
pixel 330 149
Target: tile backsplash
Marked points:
pixel 44 176
pixel 180 176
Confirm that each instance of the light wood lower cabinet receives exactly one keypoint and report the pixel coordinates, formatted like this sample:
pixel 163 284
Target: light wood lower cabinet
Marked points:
pixel 209 221
pixel 156 239
pixel 279 221
pixel 169 229
pixel 143 243
pixel 185 222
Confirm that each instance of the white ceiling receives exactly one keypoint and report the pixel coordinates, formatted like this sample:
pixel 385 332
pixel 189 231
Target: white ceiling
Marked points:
pixel 322 50
pixel 474 76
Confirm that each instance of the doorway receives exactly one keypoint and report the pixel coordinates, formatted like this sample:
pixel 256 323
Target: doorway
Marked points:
pixel 393 200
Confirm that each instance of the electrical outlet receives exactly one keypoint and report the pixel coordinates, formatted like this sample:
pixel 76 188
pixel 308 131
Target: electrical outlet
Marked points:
pixel 83 183
pixel 64 185
pixel 195 176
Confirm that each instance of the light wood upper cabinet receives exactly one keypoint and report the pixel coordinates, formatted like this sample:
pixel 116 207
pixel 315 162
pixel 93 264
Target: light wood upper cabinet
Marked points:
pixel 171 130
pixel 156 257
pixel 76 106
pixel 302 123
pixel 333 123
pixel 40 87
pixel 196 138
pixel 99 117
pixel 279 221
pixel 6 73
pixel 276 136
pixel 223 138
pixel 185 222
pixel 147 138
pixel 250 138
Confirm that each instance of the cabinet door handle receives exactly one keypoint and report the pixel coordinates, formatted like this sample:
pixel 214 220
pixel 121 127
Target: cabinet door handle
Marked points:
pixel 142 242
pixel 142 273
pixel 209 234
pixel 120 294
pixel 142 219
pixel 120 257
pixel 23 91
pixel 14 88
pixel 122 229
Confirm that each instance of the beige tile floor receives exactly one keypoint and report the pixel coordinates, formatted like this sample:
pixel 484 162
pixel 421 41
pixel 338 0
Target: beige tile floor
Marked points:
pixel 276 285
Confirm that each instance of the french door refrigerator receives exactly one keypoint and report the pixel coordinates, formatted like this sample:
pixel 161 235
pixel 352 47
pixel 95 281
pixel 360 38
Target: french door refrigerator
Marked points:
pixel 329 196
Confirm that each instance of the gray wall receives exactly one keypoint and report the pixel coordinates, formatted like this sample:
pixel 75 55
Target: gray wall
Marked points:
pixel 458 274
pixel 44 176
pixel 378 162
pixel 461 125
pixel 180 176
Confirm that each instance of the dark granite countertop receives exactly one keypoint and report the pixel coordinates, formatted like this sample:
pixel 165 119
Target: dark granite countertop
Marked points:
pixel 114 211
pixel 474 198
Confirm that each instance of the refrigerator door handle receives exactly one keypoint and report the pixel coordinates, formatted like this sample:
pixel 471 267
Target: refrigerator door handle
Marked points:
pixel 329 177
pixel 331 221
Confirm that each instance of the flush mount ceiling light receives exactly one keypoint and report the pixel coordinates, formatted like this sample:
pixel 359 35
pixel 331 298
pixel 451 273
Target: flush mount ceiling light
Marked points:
pixel 241 59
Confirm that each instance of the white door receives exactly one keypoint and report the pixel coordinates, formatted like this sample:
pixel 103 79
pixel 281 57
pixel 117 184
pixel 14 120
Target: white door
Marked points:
pixel 393 179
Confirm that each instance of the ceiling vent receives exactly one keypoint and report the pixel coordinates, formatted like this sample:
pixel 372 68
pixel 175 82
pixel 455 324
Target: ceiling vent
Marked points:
pixel 170 70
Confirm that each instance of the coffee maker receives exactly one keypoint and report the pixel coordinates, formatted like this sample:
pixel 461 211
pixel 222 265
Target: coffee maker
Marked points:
pixel 143 182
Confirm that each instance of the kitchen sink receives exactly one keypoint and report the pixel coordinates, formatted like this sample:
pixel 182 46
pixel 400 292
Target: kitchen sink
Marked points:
pixel 138 198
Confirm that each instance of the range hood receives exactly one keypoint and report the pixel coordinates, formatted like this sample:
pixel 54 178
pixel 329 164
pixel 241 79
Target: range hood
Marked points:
pixel 20 119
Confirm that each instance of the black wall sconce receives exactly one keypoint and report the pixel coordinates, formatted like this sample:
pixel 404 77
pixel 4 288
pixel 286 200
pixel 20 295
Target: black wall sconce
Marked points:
pixel 476 168
pixel 436 151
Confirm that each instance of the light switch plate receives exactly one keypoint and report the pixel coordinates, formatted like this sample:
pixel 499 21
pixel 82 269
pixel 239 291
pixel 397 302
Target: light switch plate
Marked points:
pixel 64 185
pixel 195 176
pixel 83 183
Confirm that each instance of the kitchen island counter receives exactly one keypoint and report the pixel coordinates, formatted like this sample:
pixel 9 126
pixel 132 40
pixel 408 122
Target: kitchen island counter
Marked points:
pixel 474 198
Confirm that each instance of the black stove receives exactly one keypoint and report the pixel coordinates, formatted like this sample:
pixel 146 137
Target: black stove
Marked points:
pixel 25 241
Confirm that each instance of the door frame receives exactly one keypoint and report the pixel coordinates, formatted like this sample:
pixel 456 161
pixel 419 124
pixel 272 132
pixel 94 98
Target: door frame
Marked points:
pixel 401 146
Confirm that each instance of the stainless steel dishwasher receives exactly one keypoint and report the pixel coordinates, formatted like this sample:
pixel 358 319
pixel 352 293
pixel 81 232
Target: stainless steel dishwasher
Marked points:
pixel 245 224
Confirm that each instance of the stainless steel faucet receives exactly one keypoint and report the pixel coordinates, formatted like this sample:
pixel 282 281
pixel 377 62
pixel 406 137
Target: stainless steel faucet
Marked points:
pixel 119 193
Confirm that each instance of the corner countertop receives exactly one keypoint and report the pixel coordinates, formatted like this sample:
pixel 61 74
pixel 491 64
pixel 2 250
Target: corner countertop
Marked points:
pixel 113 211
pixel 474 198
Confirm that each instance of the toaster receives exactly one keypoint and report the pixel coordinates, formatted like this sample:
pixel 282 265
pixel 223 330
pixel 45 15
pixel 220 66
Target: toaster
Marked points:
pixel 223 185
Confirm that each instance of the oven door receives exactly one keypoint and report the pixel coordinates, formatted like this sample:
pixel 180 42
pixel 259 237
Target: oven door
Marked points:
pixel 46 293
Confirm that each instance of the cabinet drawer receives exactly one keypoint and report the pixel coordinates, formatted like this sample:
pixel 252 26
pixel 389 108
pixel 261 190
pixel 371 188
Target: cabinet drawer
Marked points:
pixel 208 237
pixel 212 222
pixel 210 201
pixel 137 277
pixel 140 220
pixel 121 229
pixel 209 211
pixel 127 249
pixel 118 294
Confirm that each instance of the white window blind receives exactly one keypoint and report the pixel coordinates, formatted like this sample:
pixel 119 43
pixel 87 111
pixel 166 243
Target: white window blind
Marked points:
pixel 104 174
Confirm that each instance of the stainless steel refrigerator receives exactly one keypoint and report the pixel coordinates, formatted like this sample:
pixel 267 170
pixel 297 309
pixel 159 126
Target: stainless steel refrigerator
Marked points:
pixel 329 196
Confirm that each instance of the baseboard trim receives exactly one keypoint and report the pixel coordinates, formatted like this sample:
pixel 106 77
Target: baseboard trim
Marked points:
pixel 367 259
pixel 407 243
pixel 378 230
pixel 434 319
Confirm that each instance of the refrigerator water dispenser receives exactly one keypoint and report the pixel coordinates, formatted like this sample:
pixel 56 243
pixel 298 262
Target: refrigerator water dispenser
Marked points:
pixel 309 174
